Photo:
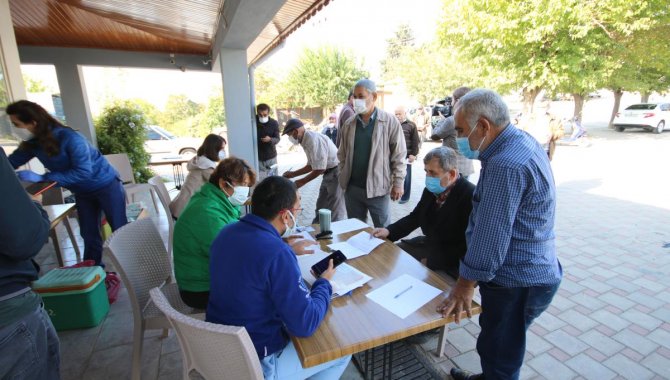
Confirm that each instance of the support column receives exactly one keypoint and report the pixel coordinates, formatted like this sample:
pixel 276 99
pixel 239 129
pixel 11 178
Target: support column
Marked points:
pixel 238 105
pixel 9 57
pixel 75 100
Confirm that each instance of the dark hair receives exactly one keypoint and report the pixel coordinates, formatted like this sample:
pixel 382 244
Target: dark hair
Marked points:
pixel 211 146
pixel 273 195
pixel 262 107
pixel 29 112
pixel 232 169
pixel 351 93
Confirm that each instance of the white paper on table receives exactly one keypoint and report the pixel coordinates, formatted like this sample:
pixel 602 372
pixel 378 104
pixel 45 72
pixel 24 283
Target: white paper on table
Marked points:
pixel 346 278
pixel 342 226
pixel 357 245
pixel 305 229
pixel 304 236
pixel 404 295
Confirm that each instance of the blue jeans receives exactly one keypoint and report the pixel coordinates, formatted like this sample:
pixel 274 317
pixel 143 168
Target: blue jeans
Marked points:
pixel 29 348
pixel 112 201
pixel 506 315
pixel 408 183
pixel 285 365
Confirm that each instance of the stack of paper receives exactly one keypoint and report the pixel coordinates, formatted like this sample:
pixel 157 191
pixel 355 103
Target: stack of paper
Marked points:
pixel 404 295
pixel 357 245
pixel 346 278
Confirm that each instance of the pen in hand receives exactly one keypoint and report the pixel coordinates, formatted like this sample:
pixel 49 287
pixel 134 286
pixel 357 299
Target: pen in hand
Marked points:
pixel 403 292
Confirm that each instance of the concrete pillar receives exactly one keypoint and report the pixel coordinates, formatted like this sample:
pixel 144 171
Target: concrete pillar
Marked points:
pixel 238 105
pixel 9 56
pixel 75 100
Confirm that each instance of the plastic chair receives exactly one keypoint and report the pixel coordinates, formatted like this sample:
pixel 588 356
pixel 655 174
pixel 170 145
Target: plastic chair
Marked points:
pixel 214 351
pixel 164 196
pixel 121 163
pixel 138 253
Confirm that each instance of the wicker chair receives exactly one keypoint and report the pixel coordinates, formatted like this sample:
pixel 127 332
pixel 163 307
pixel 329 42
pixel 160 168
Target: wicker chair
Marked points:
pixel 164 196
pixel 137 252
pixel 214 351
pixel 121 163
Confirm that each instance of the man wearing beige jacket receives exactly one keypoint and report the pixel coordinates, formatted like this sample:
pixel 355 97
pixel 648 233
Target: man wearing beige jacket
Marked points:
pixel 372 158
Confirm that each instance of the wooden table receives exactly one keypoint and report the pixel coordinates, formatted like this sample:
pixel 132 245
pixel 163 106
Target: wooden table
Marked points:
pixel 177 169
pixel 355 323
pixel 57 214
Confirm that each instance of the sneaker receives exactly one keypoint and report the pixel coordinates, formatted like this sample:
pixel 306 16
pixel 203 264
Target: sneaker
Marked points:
pixel 461 374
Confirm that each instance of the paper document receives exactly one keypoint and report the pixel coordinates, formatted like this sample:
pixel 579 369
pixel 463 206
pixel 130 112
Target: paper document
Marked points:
pixel 346 278
pixel 357 245
pixel 305 229
pixel 304 236
pixel 342 226
pixel 404 295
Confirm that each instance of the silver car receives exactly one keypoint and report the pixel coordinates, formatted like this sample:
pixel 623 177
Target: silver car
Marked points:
pixel 163 143
pixel 650 116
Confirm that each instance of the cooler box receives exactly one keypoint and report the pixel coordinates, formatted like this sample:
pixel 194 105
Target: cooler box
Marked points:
pixel 74 297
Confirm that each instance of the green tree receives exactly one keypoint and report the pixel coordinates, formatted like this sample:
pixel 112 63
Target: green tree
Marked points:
pixel 432 71
pixel 152 115
pixel 120 129
pixel 558 45
pixel 214 115
pixel 179 116
pixel 323 78
pixel 402 40
pixel 34 85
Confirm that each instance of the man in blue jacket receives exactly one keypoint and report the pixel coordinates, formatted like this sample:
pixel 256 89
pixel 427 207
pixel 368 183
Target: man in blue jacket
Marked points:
pixel 256 283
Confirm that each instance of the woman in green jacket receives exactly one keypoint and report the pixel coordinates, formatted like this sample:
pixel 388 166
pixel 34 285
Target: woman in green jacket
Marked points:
pixel 215 205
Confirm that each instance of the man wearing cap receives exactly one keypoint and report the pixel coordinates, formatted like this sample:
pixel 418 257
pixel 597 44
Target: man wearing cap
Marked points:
pixel 372 155
pixel 321 159
pixel 330 129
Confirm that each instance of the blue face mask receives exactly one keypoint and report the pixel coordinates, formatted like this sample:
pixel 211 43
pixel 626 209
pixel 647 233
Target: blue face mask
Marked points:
pixel 433 185
pixel 464 146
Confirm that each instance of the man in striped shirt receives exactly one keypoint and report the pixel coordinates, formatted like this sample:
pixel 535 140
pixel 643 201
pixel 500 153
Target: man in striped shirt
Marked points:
pixel 511 251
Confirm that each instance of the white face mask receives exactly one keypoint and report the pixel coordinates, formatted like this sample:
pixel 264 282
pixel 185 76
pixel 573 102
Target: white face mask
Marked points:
pixel 290 230
pixel 264 119
pixel 240 195
pixel 222 154
pixel 359 106
pixel 293 140
pixel 22 134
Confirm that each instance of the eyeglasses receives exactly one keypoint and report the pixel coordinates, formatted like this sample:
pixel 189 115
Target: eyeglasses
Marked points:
pixel 295 211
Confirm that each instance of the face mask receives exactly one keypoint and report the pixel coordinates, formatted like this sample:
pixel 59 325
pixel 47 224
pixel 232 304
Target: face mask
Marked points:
pixel 433 185
pixel 464 146
pixel 359 106
pixel 222 154
pixel 290 230
pixel 23 134
pixel 264 119
pixel 240 195
pixel 293 140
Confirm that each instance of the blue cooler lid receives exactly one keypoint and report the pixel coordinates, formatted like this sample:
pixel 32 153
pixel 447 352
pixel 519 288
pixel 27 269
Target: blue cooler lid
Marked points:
pixel 69 280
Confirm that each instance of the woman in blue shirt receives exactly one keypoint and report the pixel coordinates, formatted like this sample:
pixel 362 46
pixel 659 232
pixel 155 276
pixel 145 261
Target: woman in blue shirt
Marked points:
pixel 73 163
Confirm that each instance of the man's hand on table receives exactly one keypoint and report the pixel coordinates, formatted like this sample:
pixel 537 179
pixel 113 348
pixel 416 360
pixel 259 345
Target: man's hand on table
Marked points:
pixel 381 233
pixel 458 300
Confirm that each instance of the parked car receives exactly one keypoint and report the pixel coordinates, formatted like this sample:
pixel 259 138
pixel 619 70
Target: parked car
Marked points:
pixel 650 116
pixel 161 142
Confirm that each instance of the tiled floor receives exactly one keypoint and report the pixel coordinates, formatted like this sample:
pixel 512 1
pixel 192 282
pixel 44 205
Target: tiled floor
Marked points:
pixel 609 320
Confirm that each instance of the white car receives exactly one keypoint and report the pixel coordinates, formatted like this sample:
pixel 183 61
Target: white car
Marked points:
pixel 650 116
pixel 161 142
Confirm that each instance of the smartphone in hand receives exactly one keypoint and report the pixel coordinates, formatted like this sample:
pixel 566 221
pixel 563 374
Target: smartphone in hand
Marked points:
pixel 320 267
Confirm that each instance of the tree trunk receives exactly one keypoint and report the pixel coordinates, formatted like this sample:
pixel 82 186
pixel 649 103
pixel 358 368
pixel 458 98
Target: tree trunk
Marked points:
pixel 579 106
pixel 618 93
pixel 644 97
pixel 529 94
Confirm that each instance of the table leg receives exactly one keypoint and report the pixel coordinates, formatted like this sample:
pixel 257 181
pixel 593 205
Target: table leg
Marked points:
pixel 54 239
pixel 72 238
pixel 441 341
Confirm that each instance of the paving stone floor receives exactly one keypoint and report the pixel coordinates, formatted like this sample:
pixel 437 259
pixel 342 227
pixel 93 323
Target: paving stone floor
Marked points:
pixel 609 320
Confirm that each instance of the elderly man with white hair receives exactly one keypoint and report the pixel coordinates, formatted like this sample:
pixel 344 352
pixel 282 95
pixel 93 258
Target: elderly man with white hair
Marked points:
pixel 511 250
pixel 372 155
